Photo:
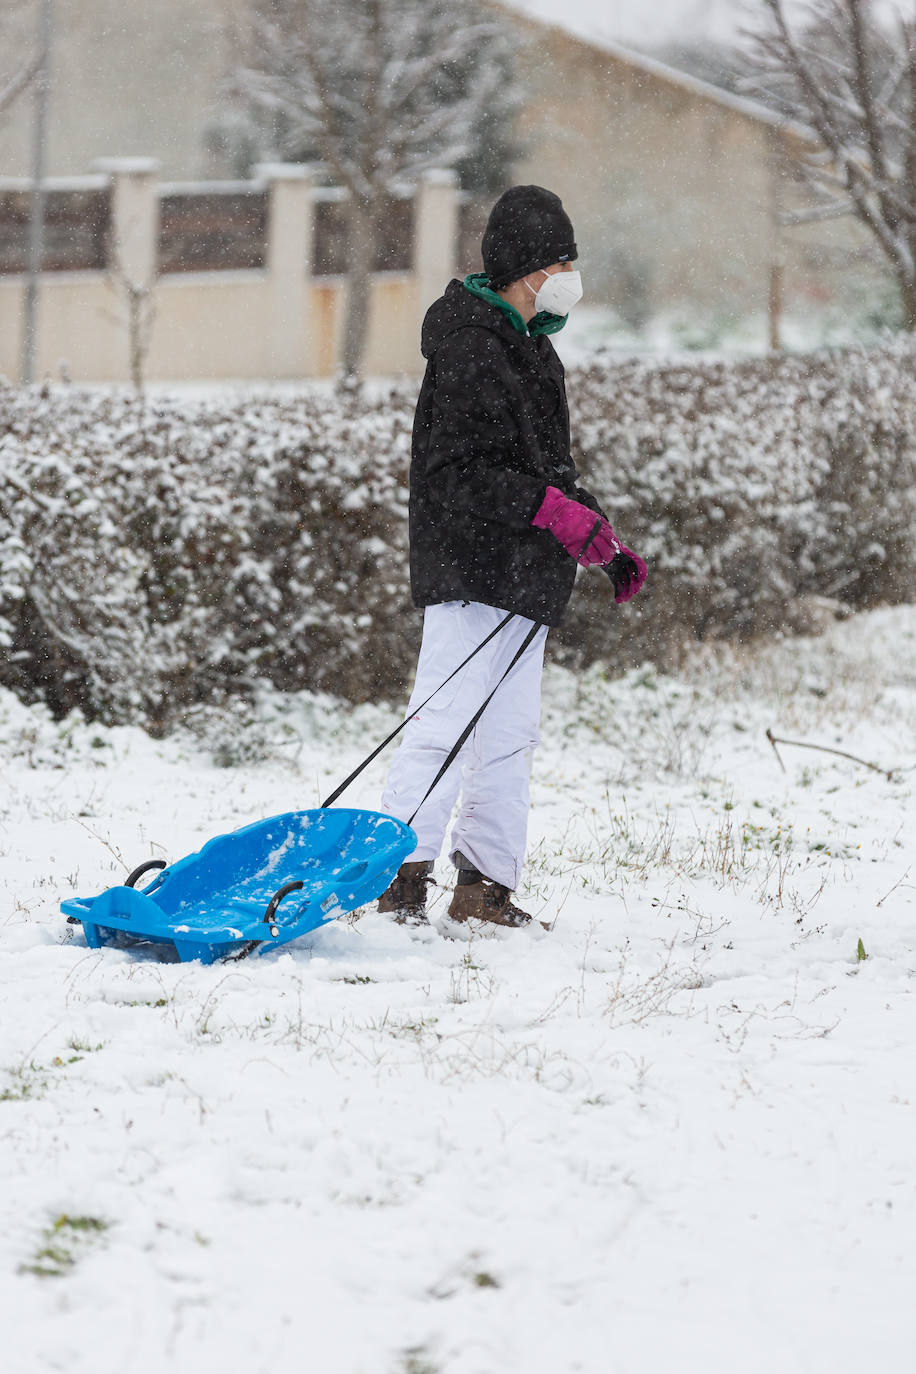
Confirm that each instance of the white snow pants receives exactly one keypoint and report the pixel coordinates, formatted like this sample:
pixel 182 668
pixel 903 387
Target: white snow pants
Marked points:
pixel 494 766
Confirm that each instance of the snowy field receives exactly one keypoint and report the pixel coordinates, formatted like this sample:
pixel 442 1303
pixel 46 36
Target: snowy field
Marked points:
pixel 676 1133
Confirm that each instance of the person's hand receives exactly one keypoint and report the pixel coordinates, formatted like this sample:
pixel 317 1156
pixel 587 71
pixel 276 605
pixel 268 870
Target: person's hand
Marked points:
pixel 628 572
pixel 586 536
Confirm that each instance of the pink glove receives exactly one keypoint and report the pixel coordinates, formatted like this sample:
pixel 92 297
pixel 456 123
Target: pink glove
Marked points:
pixel 586 536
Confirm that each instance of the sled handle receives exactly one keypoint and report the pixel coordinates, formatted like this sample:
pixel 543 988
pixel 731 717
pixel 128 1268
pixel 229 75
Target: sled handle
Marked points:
pixel 138 872
pixel 274 902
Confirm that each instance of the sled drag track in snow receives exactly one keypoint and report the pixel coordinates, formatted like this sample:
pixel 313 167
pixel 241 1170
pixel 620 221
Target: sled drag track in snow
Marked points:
pixel 674 1133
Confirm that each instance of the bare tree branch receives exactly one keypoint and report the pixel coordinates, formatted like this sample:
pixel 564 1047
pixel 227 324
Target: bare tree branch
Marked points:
pixel 20 82
pixel 853 81
pixel 863 88
pixel 835 209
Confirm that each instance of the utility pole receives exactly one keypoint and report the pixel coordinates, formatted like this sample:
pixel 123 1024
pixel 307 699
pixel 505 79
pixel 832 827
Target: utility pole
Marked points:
pixel 37 206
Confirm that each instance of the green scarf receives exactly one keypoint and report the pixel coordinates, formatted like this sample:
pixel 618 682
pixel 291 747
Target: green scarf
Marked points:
pixel 478 283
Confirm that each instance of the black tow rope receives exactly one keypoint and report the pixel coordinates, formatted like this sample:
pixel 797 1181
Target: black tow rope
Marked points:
pixel 459 743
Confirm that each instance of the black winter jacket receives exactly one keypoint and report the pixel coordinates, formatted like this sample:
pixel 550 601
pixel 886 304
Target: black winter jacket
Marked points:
pixel 491 433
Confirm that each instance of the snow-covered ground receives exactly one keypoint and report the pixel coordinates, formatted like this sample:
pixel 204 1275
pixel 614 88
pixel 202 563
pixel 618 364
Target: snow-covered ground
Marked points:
pixel 674 1134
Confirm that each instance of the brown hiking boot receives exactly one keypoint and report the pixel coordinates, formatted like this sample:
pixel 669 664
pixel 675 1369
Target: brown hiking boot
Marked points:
pixel 405 898
pixel 486 901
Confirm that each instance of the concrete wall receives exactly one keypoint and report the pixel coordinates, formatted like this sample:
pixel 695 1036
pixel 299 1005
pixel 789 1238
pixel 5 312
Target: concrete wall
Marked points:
pixel 279 323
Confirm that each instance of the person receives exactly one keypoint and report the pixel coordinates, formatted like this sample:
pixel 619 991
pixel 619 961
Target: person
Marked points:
pixel 498 524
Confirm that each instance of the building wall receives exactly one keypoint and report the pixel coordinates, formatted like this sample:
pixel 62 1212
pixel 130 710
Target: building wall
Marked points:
pixel 131 78
pixel 674 194
pixel 670 194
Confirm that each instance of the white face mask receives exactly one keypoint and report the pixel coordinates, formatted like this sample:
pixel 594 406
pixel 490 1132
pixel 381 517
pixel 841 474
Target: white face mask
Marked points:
pixel 558 293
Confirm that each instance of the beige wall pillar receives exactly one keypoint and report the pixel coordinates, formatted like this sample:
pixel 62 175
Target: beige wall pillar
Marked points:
pixel 289 267
pixel 133 258
pixel 134 216
pixel 436 239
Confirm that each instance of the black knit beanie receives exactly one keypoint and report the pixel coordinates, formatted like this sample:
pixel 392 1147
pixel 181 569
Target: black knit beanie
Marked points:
pixel 528 229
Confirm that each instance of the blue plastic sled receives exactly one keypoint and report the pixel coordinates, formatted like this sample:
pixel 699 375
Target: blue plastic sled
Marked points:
pixel 253 890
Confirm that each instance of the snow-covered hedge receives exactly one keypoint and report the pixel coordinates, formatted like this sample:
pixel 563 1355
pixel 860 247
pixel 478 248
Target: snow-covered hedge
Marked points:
pixel 751 488
pixel 156 555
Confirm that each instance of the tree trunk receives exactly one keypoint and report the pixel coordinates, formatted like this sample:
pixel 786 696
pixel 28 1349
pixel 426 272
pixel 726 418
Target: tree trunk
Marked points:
pixel 906 277
pixel 359 279
pixel 774 305
pixel 907 280
pixel 908 297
